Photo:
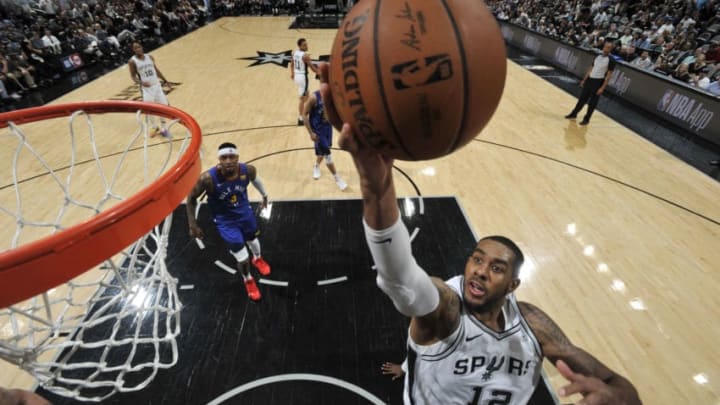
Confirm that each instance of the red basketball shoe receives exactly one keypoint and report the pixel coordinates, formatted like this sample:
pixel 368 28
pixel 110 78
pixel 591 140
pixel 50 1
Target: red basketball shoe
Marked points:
pixel 252 290
pixel 262 266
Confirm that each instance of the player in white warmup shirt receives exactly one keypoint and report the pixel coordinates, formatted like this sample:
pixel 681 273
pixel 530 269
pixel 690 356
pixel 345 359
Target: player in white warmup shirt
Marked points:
pixel 470 341
pixel 144 72
pixel 299 65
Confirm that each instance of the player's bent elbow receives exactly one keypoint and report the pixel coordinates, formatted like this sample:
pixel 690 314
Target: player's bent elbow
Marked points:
pixel 418 298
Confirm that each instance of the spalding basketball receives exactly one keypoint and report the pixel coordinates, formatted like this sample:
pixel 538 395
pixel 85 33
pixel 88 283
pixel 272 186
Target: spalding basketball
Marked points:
pixel 417 79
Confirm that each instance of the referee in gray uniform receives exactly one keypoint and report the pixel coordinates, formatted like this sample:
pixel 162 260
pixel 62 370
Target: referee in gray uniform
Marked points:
pixel 594 83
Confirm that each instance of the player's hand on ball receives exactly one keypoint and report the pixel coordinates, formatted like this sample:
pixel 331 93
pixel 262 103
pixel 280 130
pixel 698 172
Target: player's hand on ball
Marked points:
pixel 593 390
pixel 332 114
pixel 196 232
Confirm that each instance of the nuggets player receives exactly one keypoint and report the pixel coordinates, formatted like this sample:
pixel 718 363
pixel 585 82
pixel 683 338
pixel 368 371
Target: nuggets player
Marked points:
pixel 469 341
pixel 299 65
pixel 226 187
pixel 144 71
pixel 321 134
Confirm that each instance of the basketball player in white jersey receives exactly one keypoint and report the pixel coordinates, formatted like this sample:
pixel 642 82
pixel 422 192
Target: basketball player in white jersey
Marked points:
pixel 299 65
pixel 144 71
pixel 470 341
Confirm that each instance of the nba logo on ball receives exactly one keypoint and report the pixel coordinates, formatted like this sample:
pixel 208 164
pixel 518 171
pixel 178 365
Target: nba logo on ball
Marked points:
pixel 417 80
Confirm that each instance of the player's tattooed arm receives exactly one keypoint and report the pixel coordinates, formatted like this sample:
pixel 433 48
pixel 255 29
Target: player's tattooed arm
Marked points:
pixel 203 185
pixel 440 323
pixel 587 374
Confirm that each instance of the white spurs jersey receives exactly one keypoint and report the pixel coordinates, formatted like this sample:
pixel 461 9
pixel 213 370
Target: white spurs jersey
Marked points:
pixel 298 62
pixel 476 365
pixel 146 69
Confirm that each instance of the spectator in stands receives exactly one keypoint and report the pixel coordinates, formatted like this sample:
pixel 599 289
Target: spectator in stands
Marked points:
pixel 643 62
pixel 5 96
pixel 106 40
pixel 713 53
pixel 700 79
pixel 714 88
pixel 627 38
pixel 612 34
pixel 667 27
pixel 87 44
pixel 35 44
pixel 661 65
pixel 10 71
pixel 698 64
pixel 681 73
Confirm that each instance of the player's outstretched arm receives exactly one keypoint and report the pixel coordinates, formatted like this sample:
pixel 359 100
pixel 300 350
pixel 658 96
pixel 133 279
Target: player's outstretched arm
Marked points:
pixel 428 301
pixel 587 375
pixel 258 184
pixel 203 185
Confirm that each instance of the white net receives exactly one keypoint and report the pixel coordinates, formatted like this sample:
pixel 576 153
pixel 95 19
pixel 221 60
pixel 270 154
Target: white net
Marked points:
pixel 112 328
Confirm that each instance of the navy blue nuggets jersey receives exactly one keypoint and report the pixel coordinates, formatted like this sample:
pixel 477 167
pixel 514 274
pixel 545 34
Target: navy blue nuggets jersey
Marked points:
pixel 229 200
pixel 476 365
pixel 318 120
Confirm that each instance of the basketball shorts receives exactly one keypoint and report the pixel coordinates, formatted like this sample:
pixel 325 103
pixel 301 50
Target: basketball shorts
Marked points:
pixel 302 83
pixel 154 94
pixel 322 145
pixel 236 233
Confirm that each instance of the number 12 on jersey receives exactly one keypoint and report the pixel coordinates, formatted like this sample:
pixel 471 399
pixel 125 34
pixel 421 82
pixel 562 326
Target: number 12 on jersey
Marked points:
pixel 499 397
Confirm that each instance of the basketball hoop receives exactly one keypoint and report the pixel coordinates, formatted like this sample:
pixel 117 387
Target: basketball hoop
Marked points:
pixel 82 330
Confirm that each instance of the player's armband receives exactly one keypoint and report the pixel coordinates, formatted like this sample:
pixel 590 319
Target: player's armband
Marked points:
pixel 399 276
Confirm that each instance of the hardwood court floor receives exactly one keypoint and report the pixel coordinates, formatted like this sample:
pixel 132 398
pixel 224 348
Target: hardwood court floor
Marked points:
pixel 622 238
pixel 321 313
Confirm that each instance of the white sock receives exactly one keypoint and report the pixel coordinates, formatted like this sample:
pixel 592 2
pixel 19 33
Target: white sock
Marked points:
pixel 247 277
pixel 255 247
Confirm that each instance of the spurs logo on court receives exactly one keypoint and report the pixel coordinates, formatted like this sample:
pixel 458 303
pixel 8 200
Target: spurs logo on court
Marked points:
pixel 687 109
pixel 282 59
pixel 133 93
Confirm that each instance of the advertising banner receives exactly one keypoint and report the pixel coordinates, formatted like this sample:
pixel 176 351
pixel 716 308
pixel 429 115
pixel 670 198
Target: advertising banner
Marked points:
pixel 686 107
